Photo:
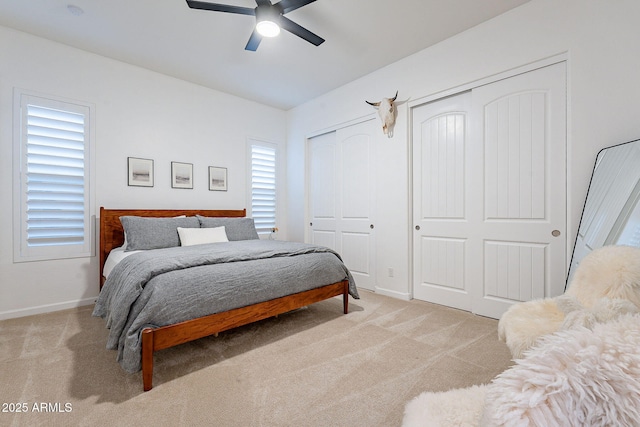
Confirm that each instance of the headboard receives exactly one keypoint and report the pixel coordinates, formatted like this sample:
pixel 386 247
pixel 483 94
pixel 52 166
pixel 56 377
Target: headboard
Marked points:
pixel 112 233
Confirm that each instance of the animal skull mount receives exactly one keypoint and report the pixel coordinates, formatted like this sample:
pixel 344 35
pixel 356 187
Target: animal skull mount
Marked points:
pixel 387 113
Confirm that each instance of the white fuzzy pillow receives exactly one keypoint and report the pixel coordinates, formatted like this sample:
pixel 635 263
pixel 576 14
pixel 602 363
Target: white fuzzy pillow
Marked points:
pixel 574 377
pixel 201 236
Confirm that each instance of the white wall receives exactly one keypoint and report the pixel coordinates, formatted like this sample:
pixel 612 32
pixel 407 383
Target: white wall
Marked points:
pixel 600 39
pixel 140 114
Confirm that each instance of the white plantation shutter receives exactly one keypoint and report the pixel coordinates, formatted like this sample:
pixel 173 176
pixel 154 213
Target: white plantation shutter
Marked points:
pixel 263 187
pixel 54 180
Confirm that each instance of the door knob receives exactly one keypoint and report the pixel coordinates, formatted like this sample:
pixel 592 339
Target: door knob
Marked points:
pixel 417 227
pixel 371 226
pixel 311 224
pixel 555 233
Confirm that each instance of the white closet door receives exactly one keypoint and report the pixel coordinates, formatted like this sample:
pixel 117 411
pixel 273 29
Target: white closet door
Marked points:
pixel 323 202
pixel 520 129
pixel 492 194
pixel 342 197
pixel 441 158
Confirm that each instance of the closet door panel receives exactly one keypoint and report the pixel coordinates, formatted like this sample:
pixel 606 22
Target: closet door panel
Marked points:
pixel 342 197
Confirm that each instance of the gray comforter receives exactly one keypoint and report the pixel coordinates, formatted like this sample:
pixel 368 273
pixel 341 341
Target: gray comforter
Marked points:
pixel 166 286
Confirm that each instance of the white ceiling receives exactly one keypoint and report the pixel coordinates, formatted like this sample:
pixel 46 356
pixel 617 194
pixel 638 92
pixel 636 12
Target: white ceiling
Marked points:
pixel 207 47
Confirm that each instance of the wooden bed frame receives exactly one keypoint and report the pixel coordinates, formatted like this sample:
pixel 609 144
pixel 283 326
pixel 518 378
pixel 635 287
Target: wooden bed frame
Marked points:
pixel 153 339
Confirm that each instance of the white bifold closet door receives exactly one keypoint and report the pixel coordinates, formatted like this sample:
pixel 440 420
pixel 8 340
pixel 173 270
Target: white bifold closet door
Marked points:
pixel 342 196
pixel 489 186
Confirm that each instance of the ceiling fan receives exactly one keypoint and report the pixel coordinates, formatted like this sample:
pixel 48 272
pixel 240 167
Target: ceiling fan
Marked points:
pixel 269 19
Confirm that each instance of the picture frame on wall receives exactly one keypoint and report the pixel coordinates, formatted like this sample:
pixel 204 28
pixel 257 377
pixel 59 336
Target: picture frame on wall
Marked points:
pixel 181 175
pixel 140 172
pixel 217 178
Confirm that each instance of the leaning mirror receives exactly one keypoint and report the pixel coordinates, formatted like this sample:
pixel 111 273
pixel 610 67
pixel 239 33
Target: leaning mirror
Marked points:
pixel 611 214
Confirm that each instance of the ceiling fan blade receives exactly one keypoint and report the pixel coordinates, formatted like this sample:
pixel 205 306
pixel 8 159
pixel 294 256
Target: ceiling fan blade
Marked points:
pixel 299 31
pixel 286 6
pixel 263 2
pixel 194 4
pixel 254 41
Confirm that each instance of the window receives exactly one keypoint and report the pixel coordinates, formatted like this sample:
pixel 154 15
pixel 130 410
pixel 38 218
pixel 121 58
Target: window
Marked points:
pixel 263 185
pixel 51 179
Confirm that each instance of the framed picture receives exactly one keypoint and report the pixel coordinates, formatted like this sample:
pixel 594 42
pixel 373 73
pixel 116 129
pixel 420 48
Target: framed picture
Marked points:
pixel 217 178
pixel 140 172
pixel 181 175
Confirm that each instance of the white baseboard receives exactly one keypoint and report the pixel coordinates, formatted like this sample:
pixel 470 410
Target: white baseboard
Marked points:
pixel 394 294
pixel 48 308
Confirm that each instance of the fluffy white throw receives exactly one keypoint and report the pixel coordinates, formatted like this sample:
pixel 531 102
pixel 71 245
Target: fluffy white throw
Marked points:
pixel 453 408
pixel 574 377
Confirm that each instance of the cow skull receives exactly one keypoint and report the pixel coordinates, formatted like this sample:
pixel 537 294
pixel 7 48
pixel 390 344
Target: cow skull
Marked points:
pixel 387 113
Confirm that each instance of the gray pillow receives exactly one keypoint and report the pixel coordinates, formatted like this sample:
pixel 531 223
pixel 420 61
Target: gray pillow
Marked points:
pixel 236 228
pixel 154 233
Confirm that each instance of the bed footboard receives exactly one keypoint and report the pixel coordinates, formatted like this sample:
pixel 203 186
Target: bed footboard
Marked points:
pixel 171 335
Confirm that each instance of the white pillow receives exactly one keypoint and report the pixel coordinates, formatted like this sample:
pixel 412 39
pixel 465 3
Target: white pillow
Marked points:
pixel 201 236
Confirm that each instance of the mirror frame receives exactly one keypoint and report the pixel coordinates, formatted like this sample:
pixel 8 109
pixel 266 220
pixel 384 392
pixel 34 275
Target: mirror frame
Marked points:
pixel 595 165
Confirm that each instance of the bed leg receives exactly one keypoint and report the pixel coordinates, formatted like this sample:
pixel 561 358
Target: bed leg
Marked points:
pixel 345 298
pixel 147 358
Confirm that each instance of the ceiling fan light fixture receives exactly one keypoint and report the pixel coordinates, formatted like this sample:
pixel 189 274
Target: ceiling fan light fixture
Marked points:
pixel 266 21
pixel 268 28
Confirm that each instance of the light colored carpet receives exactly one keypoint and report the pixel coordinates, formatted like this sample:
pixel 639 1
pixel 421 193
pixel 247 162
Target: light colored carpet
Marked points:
pixel 311 367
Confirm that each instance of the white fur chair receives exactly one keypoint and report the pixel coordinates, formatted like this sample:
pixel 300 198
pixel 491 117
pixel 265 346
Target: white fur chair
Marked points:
pixel 606 285
pixel 575 377
pixel 577 357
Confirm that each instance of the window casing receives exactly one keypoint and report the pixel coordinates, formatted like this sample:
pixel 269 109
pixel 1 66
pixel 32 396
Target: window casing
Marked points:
pixel 52 185
pixel 263 185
